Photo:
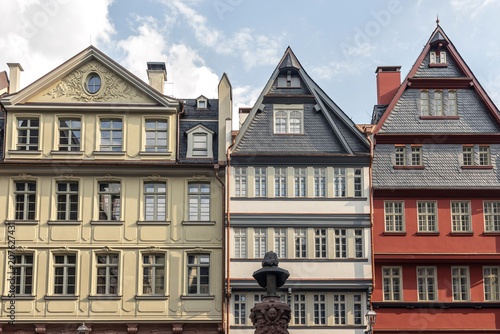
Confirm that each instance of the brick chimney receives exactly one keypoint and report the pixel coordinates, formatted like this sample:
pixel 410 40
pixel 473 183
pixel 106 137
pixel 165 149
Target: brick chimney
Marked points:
pixel 388 82
pixel 15 77
pixel 157 75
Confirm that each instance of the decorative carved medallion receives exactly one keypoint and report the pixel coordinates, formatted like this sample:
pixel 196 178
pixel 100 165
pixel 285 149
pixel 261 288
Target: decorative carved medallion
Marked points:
pixel 113 87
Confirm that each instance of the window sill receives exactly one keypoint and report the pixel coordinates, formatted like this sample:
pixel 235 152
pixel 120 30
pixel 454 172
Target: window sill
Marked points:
pixel 439 117
pixel 461 234
pixel 197 297
pixel 430 234
pixel 311 259
pixel 66 152
pixel 287 87
pixel 22 222
pixel 477 167
pixel 19 297
pixel 261 198
pixel 145 153
pixel 394 233
pixel 104 297
pixel 492 234
pixel 198 222
pixel 289 134
pixel 438 65
pixel 409 167
pixel 108 152
pixel 153 222
pixel 107 222
pixel 30 152
pixel 64 222
pixel 61 297
pixel 151 297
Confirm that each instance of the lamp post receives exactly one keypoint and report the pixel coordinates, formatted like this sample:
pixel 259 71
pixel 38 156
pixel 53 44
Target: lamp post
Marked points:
pixel 82 329
pixel 371 315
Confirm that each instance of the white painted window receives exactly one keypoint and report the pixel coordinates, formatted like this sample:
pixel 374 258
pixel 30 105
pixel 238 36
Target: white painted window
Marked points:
pixel 25 199
pixel 438 103
pixel 468 155
pixel 394 216
pixel 155 201
pixel 111 135
pixel 260 182
pixel 484 156
pixel 416 155
pixel 156 135
pixel 339 309
pixel 392 282
pixel 491 276
pixel 299 309
pixel 320 245
pixel 452 103
pixel 424 103
pixel 320 309
pixel 109 200
pixel 199 142
pixel 427 216
pixel 240 309
pixel 358 244
pixel 460 283
pixel 461 216
pixel 442 57
pixel 280 241
pixel 199 201
pixel 432 57
pixel 240 181
pixel 358 309
pixel 70 134
pixel 339 178
pixel 300 177
pixel 240 242
pixel 260 242
pixel 340 243
pixel 358 182
pixel 280 179
pixel 426 283
pixel 400 155
pixel 320 182
pixel 67 200
pixel 288 119
pixel 300 235
pixel 491 216
pixel 28 133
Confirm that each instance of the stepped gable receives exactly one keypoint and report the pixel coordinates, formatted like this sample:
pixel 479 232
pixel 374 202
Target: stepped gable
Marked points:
pixel 476 112
pixel 327 130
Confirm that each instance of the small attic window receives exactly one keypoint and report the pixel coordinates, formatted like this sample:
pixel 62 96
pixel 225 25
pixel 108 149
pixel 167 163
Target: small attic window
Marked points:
pixel 201 103
pixel 93 83
pixel 199 142
pixel 437 59
pixel 289 81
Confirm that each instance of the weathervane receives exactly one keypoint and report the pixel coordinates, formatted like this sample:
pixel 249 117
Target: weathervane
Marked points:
pixel 437 20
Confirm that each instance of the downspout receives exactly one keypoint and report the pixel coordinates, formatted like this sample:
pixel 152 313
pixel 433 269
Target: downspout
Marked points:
pixel 228 281
pixel 216 170
pixel 3 139
pixel 371 217
pixel 178 128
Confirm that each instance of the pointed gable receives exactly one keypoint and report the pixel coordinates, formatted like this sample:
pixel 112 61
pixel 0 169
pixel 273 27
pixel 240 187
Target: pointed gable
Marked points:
pixel 293 116
pixel 439 95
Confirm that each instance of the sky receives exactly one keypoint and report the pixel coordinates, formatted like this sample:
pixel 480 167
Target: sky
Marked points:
pixel 339 43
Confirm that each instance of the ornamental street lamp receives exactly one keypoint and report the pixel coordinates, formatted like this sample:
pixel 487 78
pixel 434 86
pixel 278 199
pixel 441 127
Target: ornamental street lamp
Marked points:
pixel 82 329
pixel 370 321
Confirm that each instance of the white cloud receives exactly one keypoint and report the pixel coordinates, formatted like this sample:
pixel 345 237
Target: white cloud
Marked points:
pixel 333 69
pixel 243 97
pixel 36 33
pixel 471 8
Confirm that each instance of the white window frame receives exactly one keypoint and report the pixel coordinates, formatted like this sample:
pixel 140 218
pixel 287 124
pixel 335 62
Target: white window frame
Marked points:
pixel 452 103
pixel 240 242
pixel 112 130
pixel 438 103
pixel 201 102
pixel 280 181
pixel 339 309
pixel 491 213
pixel 156 130
pixel 427 283
pixel 320 243
pixel 240 182
pixel 461 281
pixel 110 195
pixel 192 151
pixel 358 182
pixel 292 114
pixel 442 57
pixel 432 57
pixel 491 279
pixel 155 197
pixel 484 155
pixel 29 145
pixel 427 214
pixel 468 155
pixel 424 103
pixel 197 198
pixel 340 182
pixel 392 222
pixel 67 196
pixel 390 294
pixel 280 242
pixel 320 309
pixel 260 179
pixel 300 242
pixel 300 182
pixel 260 242
pixel 240 309
pixel 320 187
pixel 26 195
pixel 400 155
pixel 416 156
pixel 299 306
pixel 461 221
pixel 70 129
pixel 20 269
pixel 341 248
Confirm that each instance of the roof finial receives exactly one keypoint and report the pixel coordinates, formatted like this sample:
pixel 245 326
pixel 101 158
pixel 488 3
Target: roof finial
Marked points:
pixel 437 20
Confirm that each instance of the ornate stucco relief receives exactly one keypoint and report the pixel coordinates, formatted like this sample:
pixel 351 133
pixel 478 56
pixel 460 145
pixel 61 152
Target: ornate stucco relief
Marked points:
pixel 113 88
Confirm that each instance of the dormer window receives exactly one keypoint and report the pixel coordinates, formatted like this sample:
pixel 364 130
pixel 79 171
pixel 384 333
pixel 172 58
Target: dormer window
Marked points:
pixel 288 119
pixel 289 81
pixel 199 142
pixel 437 59
pixel 201 103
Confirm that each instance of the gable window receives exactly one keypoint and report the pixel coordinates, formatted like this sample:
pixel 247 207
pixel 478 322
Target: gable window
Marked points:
pixel 69 134
pixel 64 274
pixel 400 155
pixel 109 200
pixel 67 200
pixel 107 274
pixel 460 282
pixel 23 274
pixel 438 102
pixel 240 181
pixel 416 155
pixel 288 119
pixel 288 81
pixel 280 182
pixel 111 134
pixel 468 155
pixel 392 283
pixel 199 143
pixel 260 182
pixel 491 214
pixel 491 283
pixel 424 103
pixel 460 217
pixel 199 201
pixel 27 134
pixel 484 156
pixel 394 216
pixel 153 274
pixel 155 195
pixel 427 216
pixel 442 57
pixel 300 182
pixel 93 83
pixel 452 103
pixel 432 57
pixel 437 57
pixel 25 194
pixel 156 135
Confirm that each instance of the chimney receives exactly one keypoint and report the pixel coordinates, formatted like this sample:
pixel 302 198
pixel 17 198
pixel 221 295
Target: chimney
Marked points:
pixel 15 77
pixel 388 82
pixel 243 114
pixel 157 75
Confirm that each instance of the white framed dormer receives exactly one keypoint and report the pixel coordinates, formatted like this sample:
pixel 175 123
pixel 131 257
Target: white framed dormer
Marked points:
pixel 201 102
pixel 199 142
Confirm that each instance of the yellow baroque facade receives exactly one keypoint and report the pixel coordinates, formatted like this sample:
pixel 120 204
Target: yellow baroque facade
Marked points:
pixel 111 203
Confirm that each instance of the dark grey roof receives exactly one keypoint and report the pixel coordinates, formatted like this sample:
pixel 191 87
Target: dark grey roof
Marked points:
pixel 327 130
pixel 442 169
pixel 437 37
pixel 474 117
pixel 451 71
pixel 378 111
pixel 193 117
pixel 289 61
